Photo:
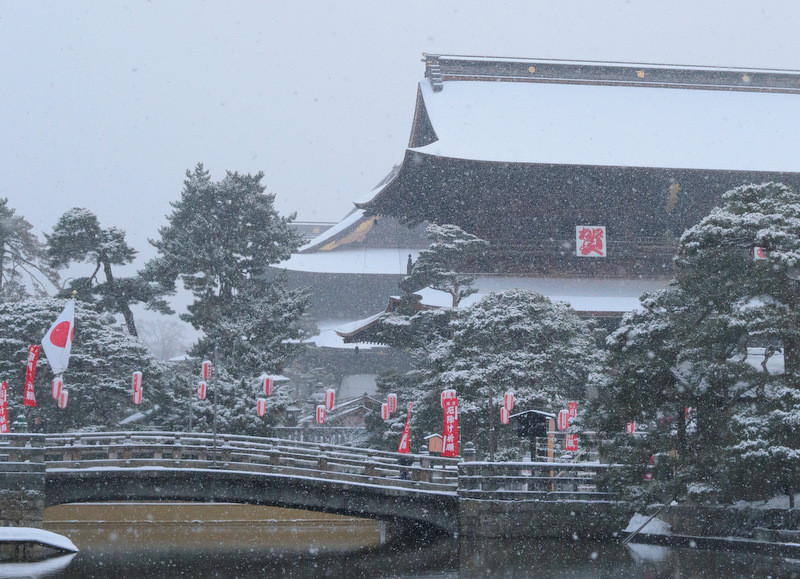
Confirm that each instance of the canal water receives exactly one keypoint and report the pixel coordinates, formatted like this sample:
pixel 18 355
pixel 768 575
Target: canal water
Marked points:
pixel 221 540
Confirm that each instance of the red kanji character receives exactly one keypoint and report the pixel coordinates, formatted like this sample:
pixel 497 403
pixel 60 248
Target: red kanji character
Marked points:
pixel 592 241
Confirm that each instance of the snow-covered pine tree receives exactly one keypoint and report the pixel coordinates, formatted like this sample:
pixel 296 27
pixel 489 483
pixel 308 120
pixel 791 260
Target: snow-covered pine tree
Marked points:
pixel 100 369
pixel 420 329
pixel 689 348
pixel 219 241
pixel 23 258
pixel 78 237
pixel 236 406
pixel 444 264
pixel 516 340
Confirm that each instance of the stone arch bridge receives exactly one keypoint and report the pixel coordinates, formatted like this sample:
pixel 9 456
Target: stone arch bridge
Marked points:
pixel 411 491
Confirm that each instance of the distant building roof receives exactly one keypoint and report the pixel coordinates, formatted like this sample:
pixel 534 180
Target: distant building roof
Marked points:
pixel 311 229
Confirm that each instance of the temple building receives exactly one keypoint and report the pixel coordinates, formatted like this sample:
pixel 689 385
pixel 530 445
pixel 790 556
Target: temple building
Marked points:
pixel 581 175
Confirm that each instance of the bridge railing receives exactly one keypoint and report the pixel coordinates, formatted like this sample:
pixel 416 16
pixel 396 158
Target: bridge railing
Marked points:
pixel 21 453
pixel 250 454
pixel 533 481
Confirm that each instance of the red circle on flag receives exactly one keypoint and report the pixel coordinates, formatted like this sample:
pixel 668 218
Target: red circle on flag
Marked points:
pixel 59 335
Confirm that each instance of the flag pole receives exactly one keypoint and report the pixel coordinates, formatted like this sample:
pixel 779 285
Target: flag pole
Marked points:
pixel 216 369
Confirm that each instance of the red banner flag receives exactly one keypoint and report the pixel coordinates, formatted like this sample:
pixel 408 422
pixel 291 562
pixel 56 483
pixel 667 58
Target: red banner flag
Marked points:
pixel 572 409
pixel 405 440
pixel 3 407
pixel 571 443
pixel 450 431
pixel 30 374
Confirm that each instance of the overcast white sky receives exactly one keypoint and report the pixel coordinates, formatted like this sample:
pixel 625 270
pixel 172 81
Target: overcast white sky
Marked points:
pixel 105 104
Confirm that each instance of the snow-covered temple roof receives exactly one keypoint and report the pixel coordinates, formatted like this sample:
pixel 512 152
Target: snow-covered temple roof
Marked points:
pixel 522 151
pixel 594 297
pixel 360 260
pixel 613 125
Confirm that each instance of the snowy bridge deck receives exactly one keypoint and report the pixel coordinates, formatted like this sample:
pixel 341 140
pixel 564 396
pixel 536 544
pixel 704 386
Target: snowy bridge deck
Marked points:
pixel 431 491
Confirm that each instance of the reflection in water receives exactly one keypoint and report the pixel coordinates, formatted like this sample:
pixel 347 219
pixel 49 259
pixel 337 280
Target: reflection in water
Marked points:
pixel 46 568
pixel 156 526
pixel 274 542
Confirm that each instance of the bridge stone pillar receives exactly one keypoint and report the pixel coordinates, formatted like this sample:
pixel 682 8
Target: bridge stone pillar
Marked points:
pixel 22 487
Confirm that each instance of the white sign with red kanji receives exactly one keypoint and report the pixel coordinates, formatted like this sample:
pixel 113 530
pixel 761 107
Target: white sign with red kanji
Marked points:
pixel 590 241
pixel 759 253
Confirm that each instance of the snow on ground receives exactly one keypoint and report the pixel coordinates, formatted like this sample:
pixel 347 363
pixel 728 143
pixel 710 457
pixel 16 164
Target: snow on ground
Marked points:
pixel 31 535
pixel 654 527
pixel 648 553
pixel 779 502
pixel 135 417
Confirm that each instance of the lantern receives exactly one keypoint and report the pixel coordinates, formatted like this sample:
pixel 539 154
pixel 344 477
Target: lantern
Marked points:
pixel 261 406
pixel 385 411
pixel 62 399
pixel 391 400
pixel 447 394
pixel 201 390
pixel 508 401
pixel 330 397
pixel 267 385
pixel 58 383
pixel 320 414
pixel 137 381
pixel 206 369
pixel 504 415
pixel 631 427
pixel 563 419
pixel 137 396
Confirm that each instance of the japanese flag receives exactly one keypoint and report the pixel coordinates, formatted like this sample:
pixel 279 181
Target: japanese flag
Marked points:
pixel 57 342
